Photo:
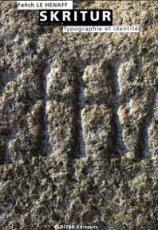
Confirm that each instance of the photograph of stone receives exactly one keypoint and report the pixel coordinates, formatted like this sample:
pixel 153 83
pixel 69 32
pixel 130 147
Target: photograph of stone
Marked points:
pixel 79 121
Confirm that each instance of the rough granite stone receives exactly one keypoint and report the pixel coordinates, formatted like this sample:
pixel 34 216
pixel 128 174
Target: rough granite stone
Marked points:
pixel 79 122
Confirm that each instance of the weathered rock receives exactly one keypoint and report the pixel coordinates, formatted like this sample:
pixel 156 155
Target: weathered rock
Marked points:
pixel 79 122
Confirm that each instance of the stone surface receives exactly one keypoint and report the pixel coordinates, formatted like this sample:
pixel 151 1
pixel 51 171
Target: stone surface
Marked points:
pixel 79 122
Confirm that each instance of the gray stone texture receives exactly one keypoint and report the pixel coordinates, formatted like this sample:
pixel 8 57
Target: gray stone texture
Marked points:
pixel 79 122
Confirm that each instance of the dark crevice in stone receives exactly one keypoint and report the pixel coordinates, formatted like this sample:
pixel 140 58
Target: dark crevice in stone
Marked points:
pixel 142 149
pixel 78 145
pixel 42 140
pixel 120 146
pixel 2 152
pixel 115 145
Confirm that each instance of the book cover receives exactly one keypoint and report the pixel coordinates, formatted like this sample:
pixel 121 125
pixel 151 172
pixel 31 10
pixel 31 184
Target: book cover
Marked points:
pixel 78 115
